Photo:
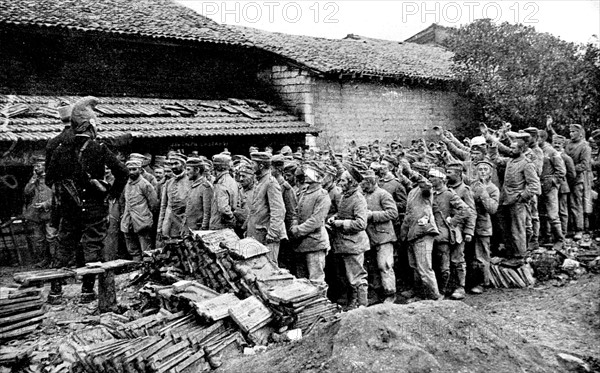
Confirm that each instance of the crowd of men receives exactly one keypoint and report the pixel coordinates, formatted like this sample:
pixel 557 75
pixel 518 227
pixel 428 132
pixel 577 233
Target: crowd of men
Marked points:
pixel 430 212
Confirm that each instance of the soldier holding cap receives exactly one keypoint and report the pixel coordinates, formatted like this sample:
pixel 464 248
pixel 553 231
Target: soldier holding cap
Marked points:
pixel 267 209
pixel 138 218
pixel 174 200
pixel 225 195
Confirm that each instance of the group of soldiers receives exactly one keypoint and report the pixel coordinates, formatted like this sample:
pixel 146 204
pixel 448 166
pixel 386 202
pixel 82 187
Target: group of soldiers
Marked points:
pixel 433 212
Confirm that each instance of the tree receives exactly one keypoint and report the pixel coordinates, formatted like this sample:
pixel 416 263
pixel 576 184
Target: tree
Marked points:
pixel 515 74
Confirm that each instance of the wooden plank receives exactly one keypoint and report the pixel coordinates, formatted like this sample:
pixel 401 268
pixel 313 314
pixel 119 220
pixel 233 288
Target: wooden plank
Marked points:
pixel 21 324
pixel 26 278
pixel 20 317
pixel 20 307
pixel 9 301
pixel 19 332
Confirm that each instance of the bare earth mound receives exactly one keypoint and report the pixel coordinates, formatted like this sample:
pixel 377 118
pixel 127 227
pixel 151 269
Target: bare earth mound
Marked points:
pixel 420 337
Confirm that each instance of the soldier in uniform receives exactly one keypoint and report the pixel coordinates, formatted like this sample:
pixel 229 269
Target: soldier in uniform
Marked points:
pixel 553 173
pixel 290 201
pixel 77 166
pixel 350 238
pixel 581 153
pixel 381 215
pixel 267 209
pixel 558 142
pixel 173 200
pixel 521 183
pixel 308 226
pixel 245 177
pixel 199 201
pixel 225 195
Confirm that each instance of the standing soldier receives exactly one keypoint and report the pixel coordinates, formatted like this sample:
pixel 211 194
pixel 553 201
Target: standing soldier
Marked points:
pixel 37 212
pixel 308 226
pixel 225 195
pixel 173 200
pixel 290 202
pixel 487 198
pixel 199 201
pixel 558 142
pixel 381 214
pixel 553 173
pixel 78 168
pixel 521 183
pixel 137 220
pixel 245 174
pixel 581 153
pixel 350 239
pixel 267 210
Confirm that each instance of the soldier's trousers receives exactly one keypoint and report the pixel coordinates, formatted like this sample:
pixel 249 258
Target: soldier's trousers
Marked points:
pixel 138 242
pixel 576 208
pixel 43 239
pixel 478 257
pixel 532 223
pixel 516 238
pixel 419 259
pixel 385 266
pixel 449 265
pixel 549 217
pixel 563 211
pixel 312 265
pixel 355 269
pixel 87 230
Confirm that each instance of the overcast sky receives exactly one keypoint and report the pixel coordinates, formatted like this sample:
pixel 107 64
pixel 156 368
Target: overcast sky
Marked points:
pixel 574 20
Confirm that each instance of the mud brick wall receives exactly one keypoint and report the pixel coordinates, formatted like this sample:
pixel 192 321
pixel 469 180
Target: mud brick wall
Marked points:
pixel 364 110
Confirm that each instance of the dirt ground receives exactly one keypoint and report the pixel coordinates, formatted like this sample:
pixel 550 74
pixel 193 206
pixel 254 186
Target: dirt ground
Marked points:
pixel 553 317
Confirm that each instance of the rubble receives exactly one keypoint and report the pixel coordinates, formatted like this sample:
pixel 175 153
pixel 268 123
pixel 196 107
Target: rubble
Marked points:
pixel 20 312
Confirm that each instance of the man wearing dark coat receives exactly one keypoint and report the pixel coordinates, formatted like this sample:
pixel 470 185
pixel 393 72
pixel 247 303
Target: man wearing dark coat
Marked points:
pixel 77 166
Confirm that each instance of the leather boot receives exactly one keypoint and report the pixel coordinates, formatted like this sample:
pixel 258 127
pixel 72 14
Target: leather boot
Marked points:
pixel 363 295
pixel 353 301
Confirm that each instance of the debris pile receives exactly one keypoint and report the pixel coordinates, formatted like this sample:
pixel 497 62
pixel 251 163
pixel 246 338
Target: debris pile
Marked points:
pixel 20 312
pixel 505 274
pixel 570 261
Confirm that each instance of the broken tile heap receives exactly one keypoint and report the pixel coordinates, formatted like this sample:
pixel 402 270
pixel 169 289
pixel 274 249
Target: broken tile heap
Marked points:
pixel 20 312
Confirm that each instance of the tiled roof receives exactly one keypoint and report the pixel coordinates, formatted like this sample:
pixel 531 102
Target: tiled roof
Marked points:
pixel 146 18
pixel 357 54
pixel 35 118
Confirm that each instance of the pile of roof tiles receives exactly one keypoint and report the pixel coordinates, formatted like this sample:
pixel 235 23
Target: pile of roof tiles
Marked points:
pixel 20 312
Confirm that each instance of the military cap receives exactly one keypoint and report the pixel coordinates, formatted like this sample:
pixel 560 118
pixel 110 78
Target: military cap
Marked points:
pixel 136 156
pixel 421 167
pixel 356 170
pixel 194 162
pixel 486 162
pixel 437 172
pixel 134 163
pixel 261 157
pixel 290 166
pixel 37 159
pixel 559 139
pixel 531 131
pixel 245 168
pixel 576 126
pixel 278 160
pixel 478 141
pixel 178 157
pixel 518 135
pixel 221 159
pixel 455 166
pixel 368 174
pixel 286 150
pixel 160 160
pixel 240 159
pixel 314 171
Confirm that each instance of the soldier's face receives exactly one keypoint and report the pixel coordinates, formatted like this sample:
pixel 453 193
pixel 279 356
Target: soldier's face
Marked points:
pixel 484 172
pixel 245 180
pixel 290 178
pixel 368 185
pixel 192 172
pixel 176 167
pixel 168 173
pixel 476 155
pixel 134 172
pixel 575 134
pixel 436 182
pixel 345 181
pixel 453 175
pixel 159 173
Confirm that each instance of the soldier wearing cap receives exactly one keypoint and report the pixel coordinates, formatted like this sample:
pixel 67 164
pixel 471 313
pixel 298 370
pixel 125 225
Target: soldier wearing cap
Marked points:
pixel 521 183
pixel 350 238
pixel 246 181
pixel 37 211
pixel 487 197
pixel 225 195
pixel 199 201
pixel 141 203
pixel 144 172
pixel 174 200
pixel 558 143
pixel 581 153
pixel 553 173
pixel 290 201
pixel 77 166
pixel 311 240
pixel 381 215
pixel 452 215
pixel 536 155
pixel 419 230
pixel 267 209
pixel 391 184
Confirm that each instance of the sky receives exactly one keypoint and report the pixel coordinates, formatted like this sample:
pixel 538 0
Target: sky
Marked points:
pixel 574 20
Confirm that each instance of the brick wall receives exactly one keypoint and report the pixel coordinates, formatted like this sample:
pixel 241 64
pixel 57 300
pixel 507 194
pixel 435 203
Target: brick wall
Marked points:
pixel 294 88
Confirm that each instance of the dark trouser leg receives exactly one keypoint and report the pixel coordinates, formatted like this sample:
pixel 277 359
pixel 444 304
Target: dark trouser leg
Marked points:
pixel 576 207
pixel 479 261
pixel 517 237
pixel 533 224
pixel 92 241
pixel 458 267
pixel 133 246
pixel 69 236
pixel 441 265
pixel 563 211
